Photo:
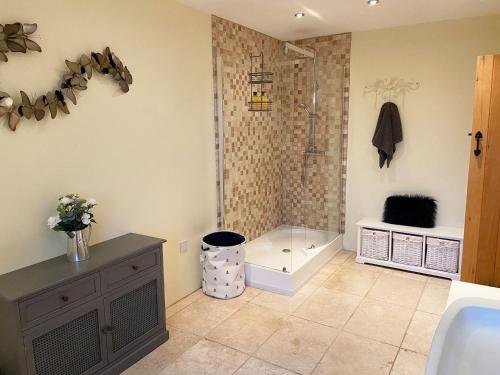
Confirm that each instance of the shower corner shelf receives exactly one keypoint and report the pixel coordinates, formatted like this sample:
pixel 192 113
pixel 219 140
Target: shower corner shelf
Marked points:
pixel 260 106
pixel 259 79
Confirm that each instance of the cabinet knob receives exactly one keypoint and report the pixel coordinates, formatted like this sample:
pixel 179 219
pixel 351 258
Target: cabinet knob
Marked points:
pixel 65 298
pixel 106 329
pixel 135 268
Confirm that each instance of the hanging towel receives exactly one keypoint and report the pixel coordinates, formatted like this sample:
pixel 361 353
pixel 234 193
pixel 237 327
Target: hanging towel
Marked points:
pixel 387 133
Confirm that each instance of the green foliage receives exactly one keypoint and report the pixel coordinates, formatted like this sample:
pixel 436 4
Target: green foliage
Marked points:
pixel 73 214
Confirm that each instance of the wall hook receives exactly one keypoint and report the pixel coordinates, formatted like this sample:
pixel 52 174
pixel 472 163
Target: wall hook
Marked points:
pixel 390 89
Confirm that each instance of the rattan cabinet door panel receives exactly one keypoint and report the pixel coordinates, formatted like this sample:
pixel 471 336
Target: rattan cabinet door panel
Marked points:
pixel 71 344
pixel 134 314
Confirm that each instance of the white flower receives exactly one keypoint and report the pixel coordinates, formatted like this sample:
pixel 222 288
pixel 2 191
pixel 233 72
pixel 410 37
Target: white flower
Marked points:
pixel 53 221
pixel 66 200
pixel 86 219
pixel 91 201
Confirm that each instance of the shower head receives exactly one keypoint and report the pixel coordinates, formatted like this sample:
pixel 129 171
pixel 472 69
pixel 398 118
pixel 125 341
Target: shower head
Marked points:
pixel 305 108
pixel 301 51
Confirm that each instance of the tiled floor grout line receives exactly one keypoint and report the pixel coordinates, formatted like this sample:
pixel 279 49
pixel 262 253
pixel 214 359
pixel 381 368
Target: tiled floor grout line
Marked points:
pixel 326 351
pixel 168 316
pixel 253 355
pixel 394 362
pixel 273 364
pixel 422 294
pixel 271 335
pixel 340 330
pixel 289 313
pixel 223 320
pixel 287 316
pixel 364 298
pixel 407 327
pixel 183 351
pixel 415 311
pixel 189 304
pixel 204 337
pixel 250 355
pixel 243 364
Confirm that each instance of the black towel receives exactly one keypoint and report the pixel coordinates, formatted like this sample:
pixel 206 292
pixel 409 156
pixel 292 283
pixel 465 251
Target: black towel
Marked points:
pixel 388 133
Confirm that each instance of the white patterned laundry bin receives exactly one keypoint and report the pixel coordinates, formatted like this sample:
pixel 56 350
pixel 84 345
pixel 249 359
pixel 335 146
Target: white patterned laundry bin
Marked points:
pixel 223 263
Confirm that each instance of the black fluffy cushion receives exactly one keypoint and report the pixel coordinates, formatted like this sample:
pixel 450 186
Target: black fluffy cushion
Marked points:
pixel 411 210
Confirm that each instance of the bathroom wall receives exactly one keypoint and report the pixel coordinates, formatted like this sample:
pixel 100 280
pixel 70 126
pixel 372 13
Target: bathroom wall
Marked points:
pixel 253 200
pixel 146 156
pixel 263 152
pixel 433 157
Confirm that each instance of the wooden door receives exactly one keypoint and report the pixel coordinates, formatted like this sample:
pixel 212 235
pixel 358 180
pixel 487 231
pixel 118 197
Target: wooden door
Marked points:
pixel 481 256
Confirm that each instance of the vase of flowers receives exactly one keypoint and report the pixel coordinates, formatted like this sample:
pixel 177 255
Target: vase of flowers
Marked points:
pixel 74 217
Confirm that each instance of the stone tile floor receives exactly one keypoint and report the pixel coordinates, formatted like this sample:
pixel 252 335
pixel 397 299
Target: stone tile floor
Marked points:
pixel 349 319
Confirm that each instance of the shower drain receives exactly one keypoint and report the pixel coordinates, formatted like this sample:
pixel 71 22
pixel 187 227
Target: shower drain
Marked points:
pixel 286 250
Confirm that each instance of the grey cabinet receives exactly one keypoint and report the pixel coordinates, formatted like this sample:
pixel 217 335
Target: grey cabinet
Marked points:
pixel 96 317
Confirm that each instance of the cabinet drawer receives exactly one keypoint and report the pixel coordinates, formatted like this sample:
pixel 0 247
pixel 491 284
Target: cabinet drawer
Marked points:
pixel 47 304
pixel 129 269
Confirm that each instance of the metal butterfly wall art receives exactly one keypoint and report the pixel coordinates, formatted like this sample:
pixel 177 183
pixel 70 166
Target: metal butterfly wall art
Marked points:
pixel 17 37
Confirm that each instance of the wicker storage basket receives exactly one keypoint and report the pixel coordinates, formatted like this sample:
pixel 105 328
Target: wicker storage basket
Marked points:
pixel 375 244
pixel 407 249
pixel 442 255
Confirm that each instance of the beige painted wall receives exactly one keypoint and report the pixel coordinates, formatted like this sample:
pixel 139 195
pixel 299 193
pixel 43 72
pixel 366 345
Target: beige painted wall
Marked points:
pixel 433 158
pixel 146 156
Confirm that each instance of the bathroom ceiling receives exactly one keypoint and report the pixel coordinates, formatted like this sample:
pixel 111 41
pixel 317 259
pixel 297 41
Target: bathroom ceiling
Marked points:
pixel 325 17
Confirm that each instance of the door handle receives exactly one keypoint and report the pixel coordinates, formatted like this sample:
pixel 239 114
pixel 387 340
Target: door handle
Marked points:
pixel 478 136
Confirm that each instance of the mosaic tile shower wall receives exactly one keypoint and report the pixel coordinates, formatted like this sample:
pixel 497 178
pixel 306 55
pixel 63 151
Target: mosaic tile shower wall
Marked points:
pixel 253 199
pixel 314 184
pixel 267 179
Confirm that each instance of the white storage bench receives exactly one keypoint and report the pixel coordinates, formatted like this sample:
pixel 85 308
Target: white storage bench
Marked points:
pixel 433 251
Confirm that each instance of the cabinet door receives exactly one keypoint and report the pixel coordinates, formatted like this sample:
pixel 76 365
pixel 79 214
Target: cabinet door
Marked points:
pixel 70 344
pixel 134 313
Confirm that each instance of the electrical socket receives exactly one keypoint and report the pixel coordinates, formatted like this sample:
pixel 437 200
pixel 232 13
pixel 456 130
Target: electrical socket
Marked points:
pixel 183 246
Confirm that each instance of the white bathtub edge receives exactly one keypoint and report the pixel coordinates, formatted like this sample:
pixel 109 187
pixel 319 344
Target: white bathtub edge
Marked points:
pixel 444 325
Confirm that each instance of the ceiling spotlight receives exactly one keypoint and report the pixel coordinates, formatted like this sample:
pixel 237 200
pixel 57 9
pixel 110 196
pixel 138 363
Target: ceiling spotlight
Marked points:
pixel 300 15
pixel 372 3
